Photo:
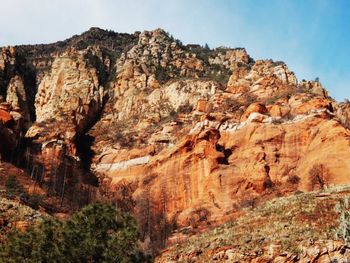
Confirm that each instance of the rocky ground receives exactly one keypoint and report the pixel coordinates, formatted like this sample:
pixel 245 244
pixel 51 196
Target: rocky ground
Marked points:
pixel 28 202
pixel 305 227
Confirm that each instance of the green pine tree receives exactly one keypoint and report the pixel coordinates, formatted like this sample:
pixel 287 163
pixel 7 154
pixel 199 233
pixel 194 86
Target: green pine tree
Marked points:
pixel 98 233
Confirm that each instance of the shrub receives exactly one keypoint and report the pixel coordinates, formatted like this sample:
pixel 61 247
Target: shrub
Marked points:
pixel 98 233
pixel 268 183
pixel 185 108
pixel 318 176
pixel 13 187
pixel 231 105
pixel 162 74
pixel 293 179
pixel 34 200
pixel 248 203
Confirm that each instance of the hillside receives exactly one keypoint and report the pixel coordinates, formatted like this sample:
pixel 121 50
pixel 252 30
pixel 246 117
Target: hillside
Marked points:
pixel 306 227
pixel 180 135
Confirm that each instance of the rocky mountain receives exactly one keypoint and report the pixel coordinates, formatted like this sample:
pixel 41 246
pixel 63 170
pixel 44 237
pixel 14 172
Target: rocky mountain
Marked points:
pixel 180 135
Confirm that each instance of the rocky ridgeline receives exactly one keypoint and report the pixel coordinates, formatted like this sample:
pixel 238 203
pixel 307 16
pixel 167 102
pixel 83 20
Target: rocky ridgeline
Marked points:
pixel 180 135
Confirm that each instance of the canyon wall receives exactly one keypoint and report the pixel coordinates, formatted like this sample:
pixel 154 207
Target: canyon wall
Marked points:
pixel 182 136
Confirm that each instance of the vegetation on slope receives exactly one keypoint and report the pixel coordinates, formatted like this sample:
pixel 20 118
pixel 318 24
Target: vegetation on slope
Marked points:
pixel 284 223
pixel 98 233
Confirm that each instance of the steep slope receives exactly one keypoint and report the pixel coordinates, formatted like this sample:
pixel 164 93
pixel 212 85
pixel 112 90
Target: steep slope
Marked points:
pixel 307 227
pixel 182 136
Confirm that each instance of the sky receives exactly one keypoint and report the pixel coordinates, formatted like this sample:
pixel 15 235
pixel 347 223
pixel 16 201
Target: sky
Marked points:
pixel 311 36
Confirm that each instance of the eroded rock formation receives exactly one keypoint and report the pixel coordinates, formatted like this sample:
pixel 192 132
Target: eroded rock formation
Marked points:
pixel 179 135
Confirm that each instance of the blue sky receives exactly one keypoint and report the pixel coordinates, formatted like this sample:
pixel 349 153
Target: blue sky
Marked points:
pixel 311 36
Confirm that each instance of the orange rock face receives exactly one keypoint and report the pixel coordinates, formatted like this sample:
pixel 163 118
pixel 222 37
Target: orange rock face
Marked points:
pixel 180 136
pixel 254 107
pixel 5 117
pixel 215 171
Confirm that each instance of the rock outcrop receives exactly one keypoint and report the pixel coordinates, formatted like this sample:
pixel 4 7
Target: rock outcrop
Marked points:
pixel 182 136
pixel 69 99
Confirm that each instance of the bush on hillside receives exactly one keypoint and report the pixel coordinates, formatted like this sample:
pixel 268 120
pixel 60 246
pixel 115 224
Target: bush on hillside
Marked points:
pixel 98 233
pixel 13 187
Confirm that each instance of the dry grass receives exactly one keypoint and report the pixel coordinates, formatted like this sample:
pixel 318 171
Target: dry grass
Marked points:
pixel 285 222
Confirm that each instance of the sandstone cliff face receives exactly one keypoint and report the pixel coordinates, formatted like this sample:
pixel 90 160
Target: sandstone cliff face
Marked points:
pixel 17 98
pixel 180 135
pixel 264 79
pixel 231 59
pixel 221 165
pixel 69 98
pixel 343 113
pixel 11 130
